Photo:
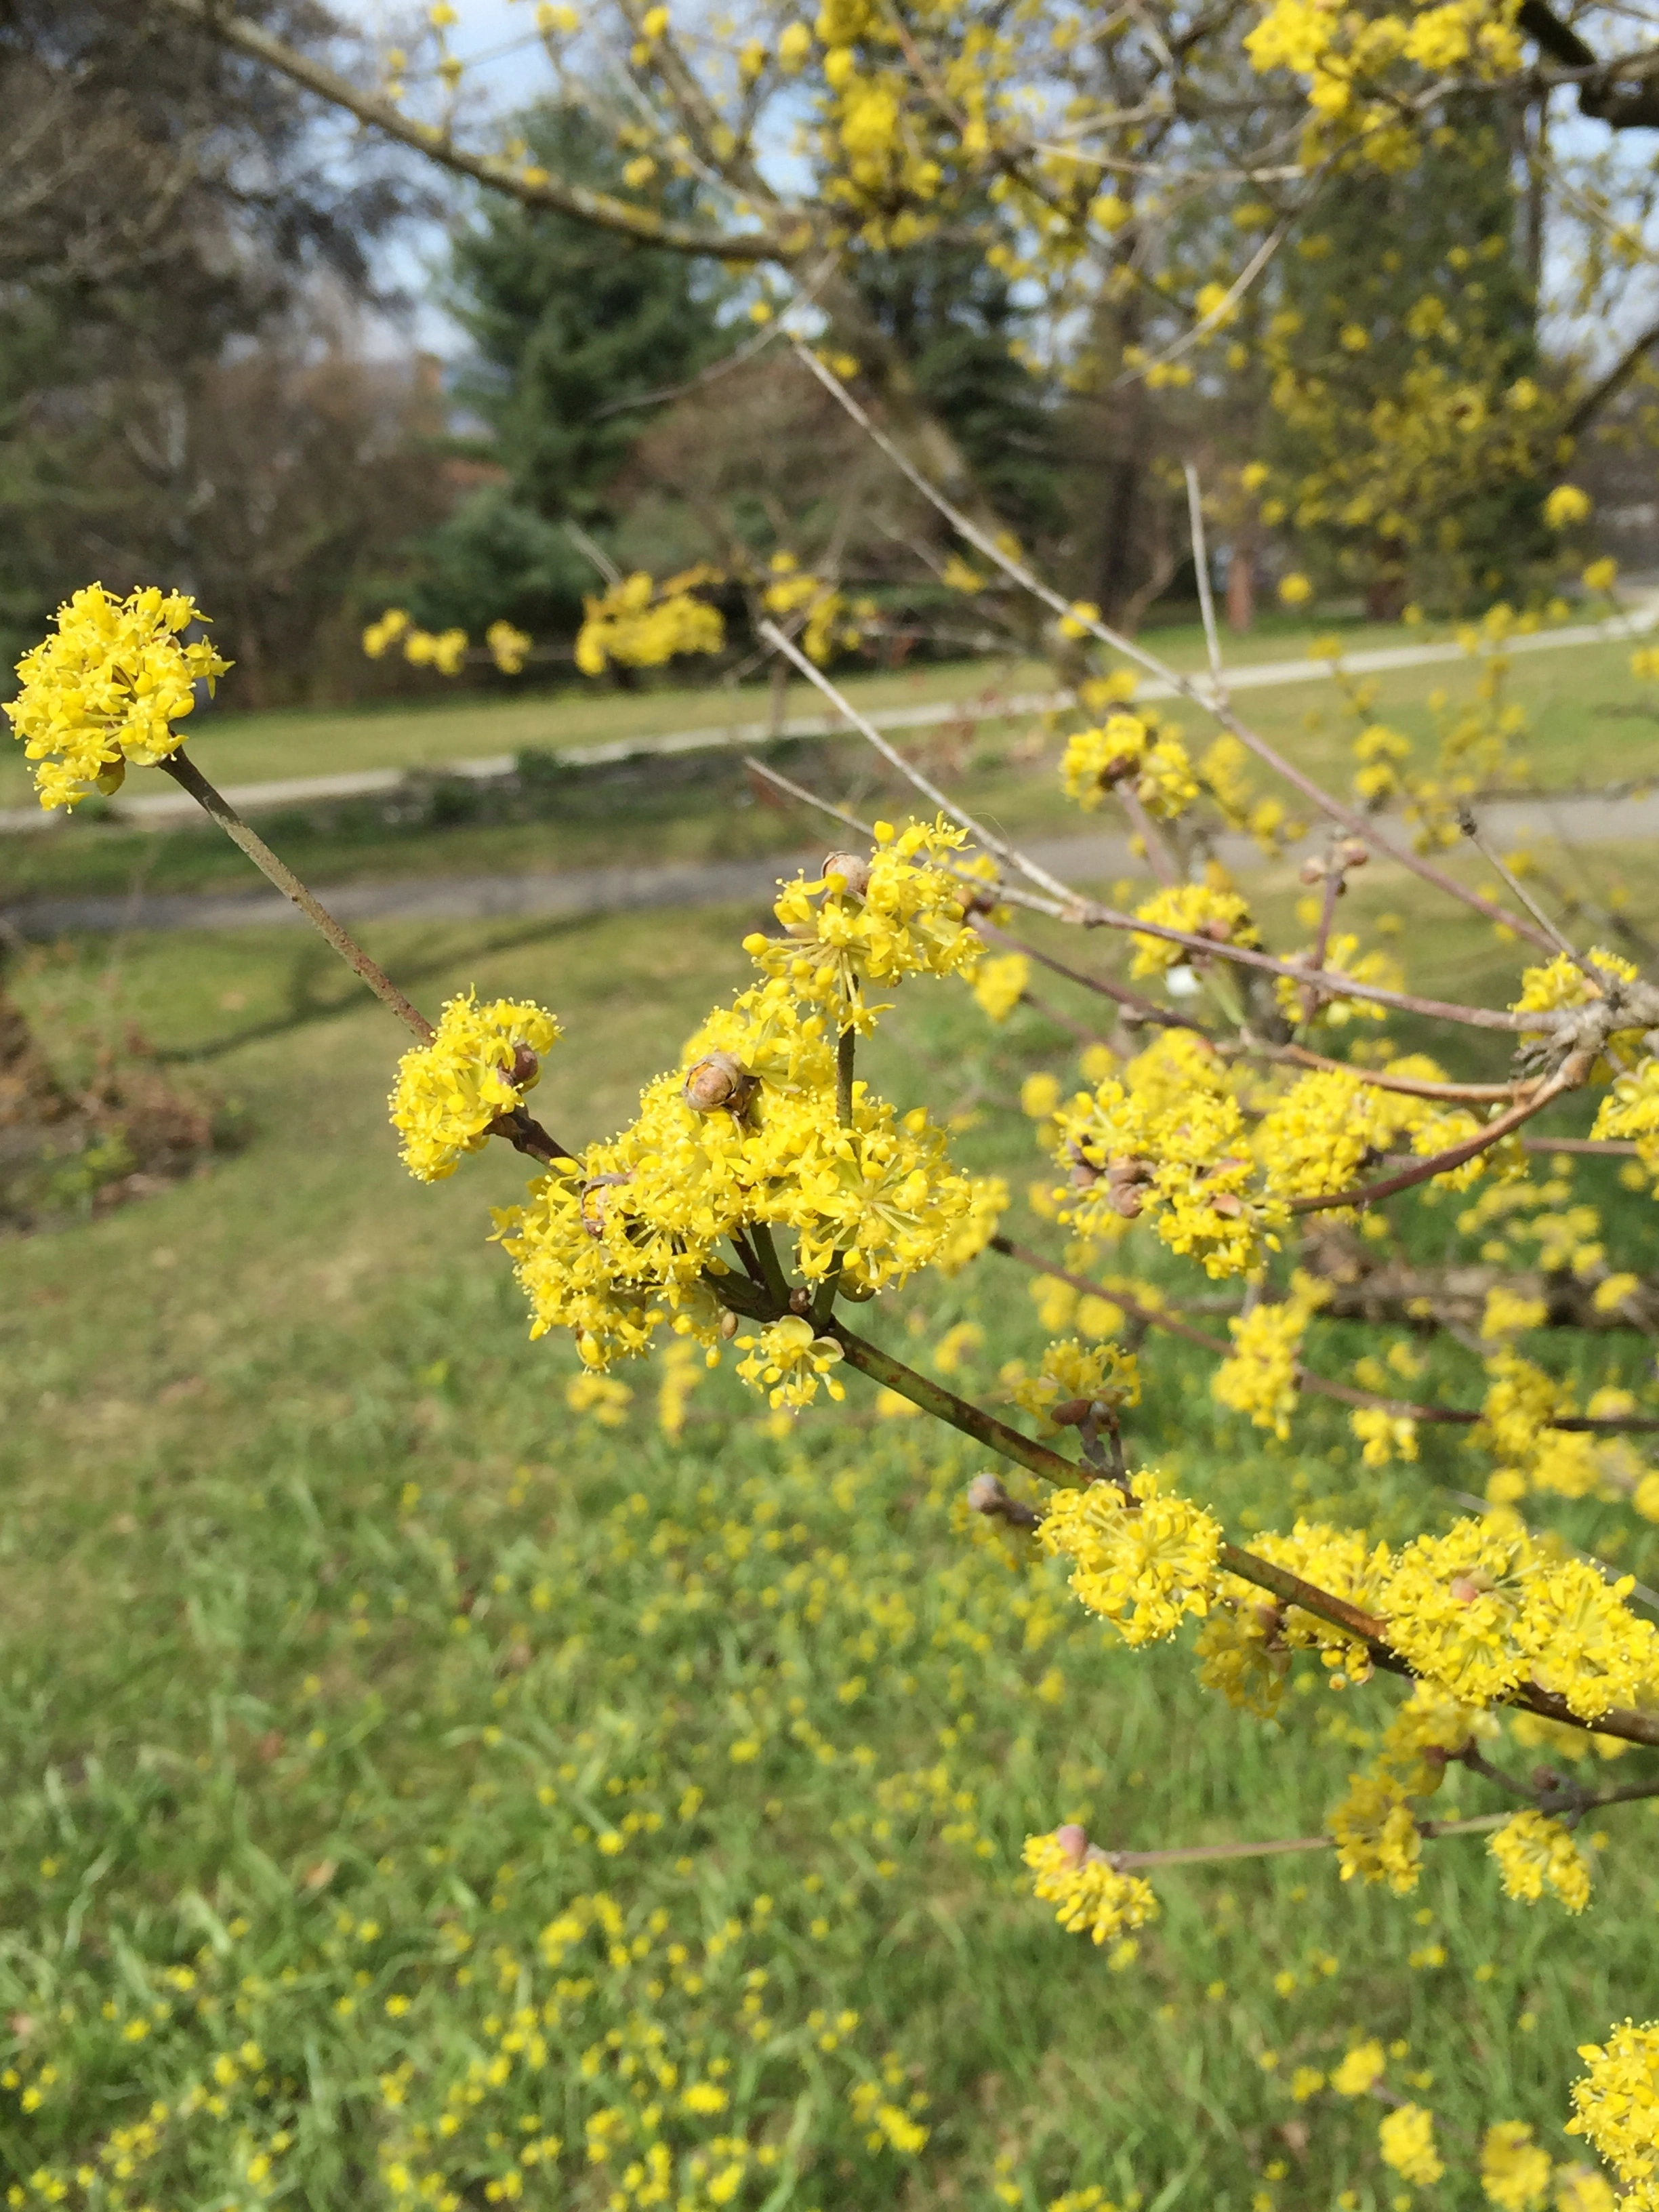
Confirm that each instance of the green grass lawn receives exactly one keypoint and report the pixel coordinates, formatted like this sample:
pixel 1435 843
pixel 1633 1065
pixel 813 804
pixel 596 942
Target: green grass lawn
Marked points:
pixel 421 1793
pixel 1588 724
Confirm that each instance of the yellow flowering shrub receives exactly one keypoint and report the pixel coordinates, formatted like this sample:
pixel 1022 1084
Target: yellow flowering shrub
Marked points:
pixel 639 623
pixel 762 1192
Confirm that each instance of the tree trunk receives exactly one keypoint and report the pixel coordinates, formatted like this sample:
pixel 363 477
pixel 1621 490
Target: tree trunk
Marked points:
pixel 1241 582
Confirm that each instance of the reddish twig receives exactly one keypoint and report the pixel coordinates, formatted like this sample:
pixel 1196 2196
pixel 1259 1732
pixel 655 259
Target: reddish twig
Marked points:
pixel 1571 1073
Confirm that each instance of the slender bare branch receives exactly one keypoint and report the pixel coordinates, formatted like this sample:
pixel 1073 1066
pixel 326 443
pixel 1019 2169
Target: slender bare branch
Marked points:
pixel 1572 1073
pixel 523 1134
pixel 1201 569
pixel 1009 854
pixel 1361 825
pixel 538 190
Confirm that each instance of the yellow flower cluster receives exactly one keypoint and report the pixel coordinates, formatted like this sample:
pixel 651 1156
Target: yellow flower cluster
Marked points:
pixel 1616 2105
pixel 1536 1853
pixel 1482 1610
pixel 742 1139
pixel 1405 2139
pixel 1168 1139
pixel 1342 956
pixel 1376 1836
pixel 898 914
pixel 1091 1897
pixel 1383 1436
pixel 509 648
pixel 109 686
pixel 1068 1369
pixel 1144 1560
pixel 1631 1109
pixel 1260 1378
pixel 1329 1125
pixel 639 623
pixel 1350 60
pixel 444 650
pixel 1514 2171
pixel 478 1065
pixel 1199 910
pixel 384 632
pixel 1563 984
pixel 999 983
pixel 1245 1646
pixel 1138 752
pixel 827 624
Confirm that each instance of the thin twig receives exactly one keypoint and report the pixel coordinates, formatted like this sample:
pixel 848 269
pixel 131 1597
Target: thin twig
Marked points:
pixel 1004 851
pixel 1478 1824
pixel 1201 566
pixel 1572 1074
pixel 1377 1078
pixel 185 774
pixel 1361 825
pixel 1466 823
pixel 808 798
pixel 521 1130
pixel 1317 1386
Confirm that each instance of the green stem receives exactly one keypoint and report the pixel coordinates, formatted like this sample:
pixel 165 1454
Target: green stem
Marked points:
pixel 522 1131
pixel 845 1044
pixel 1290 1589
pixel 185 774
pixel 944 1406
pixel 824 1301
pixel 760 1236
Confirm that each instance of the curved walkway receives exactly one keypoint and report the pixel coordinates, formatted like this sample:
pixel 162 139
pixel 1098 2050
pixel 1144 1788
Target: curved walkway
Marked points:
pixel 574 893
pixel 161 809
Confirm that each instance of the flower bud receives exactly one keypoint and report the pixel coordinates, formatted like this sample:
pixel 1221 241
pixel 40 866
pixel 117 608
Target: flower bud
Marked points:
pixel 1071 1413
pixel 524 1068
pixel 1313 870
pixel 1074 1841
pixel 1354 852
pixel 854 872
pixel 986 1494
pixel 728 1324
pixel 717 1080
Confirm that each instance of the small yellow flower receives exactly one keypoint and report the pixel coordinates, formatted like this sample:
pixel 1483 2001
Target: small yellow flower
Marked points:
pixel 1566 505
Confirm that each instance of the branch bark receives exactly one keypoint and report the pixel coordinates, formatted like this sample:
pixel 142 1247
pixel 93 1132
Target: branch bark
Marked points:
pixel 557 194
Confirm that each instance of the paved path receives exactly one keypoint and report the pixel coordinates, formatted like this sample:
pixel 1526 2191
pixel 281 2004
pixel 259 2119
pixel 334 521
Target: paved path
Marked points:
pixel 576 892
pixel 162 809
